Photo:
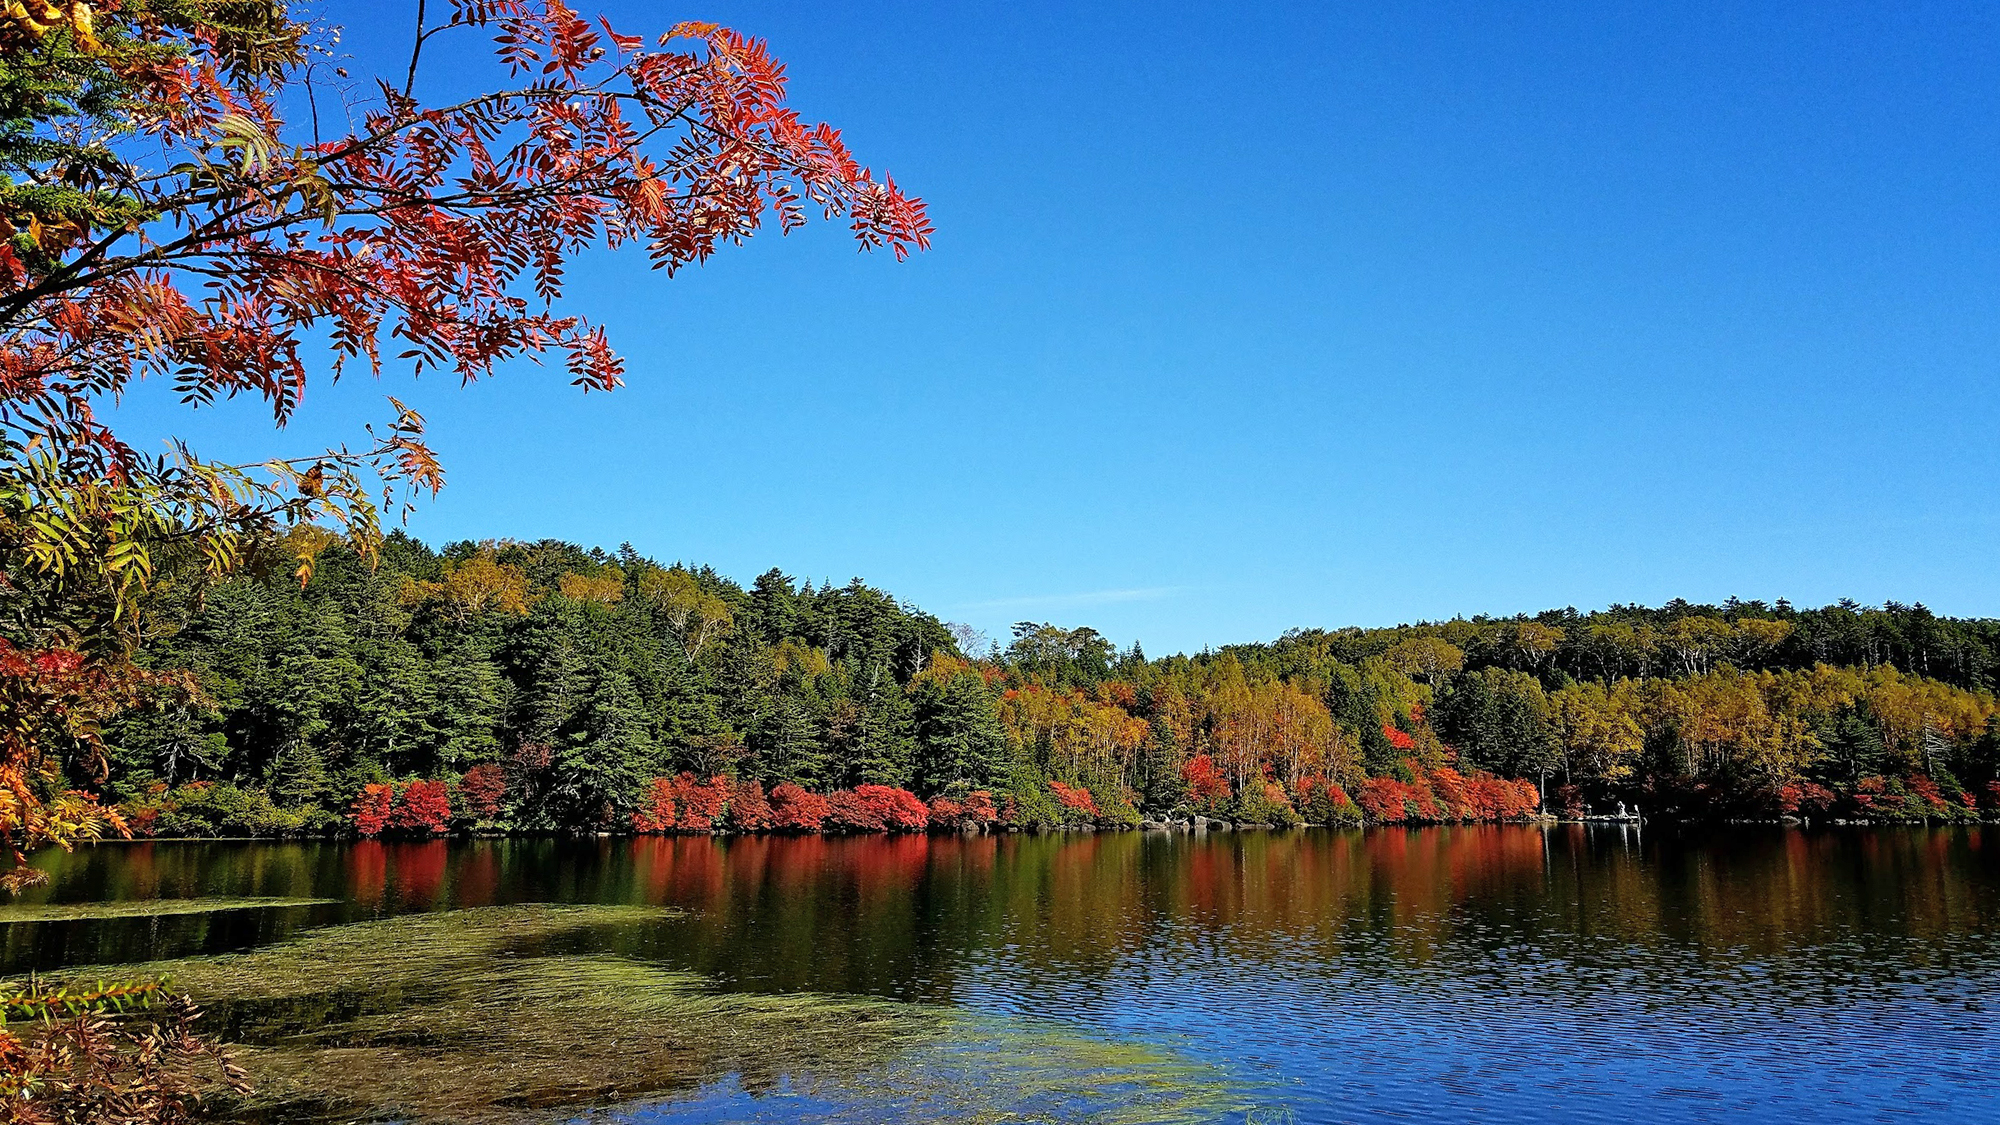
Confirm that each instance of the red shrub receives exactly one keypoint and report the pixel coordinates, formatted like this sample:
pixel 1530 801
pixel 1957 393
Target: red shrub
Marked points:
pixel 749 811
pixel 483 789
pixel 142 815
pixel 423 808
pixel 1208 789
pixel 876 808
pixel 1805 797
pixel 1076 800
pixel 979 810
pixel 1993 794
pixel 1927 790
pixel 1870 792
pixel 795 810
pixel 1401 740
pixel 1454 794
pixel 946 813
pixel 1492 798
pixel 847 811
pixel 1418 798
pixel 700 802
pixel 901 809
pixel 1382 799
pixel 372 808
pixel 657 812
pixel 1486 796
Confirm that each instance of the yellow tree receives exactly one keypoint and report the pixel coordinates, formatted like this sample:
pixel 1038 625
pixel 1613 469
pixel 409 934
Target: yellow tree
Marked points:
pixel 1599 730
pixel 471 587
pixel 1427 658
pixel 694 615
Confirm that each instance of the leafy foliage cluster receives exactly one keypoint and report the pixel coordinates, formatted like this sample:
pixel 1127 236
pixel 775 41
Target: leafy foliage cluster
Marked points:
pixel 119 1054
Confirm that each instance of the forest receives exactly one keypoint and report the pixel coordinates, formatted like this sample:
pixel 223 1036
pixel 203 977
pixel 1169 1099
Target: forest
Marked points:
pixel 542 687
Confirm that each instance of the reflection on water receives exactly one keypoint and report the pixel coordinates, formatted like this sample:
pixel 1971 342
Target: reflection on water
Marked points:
pixel 1502 973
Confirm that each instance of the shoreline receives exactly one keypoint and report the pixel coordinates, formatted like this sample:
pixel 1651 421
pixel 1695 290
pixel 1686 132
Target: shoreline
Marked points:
pixel 1196 826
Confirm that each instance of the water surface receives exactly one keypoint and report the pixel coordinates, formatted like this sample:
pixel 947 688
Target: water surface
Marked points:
pixel 1439 974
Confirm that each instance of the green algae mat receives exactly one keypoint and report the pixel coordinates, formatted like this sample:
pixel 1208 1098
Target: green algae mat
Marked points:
pixel 145 908
pixel 518 1014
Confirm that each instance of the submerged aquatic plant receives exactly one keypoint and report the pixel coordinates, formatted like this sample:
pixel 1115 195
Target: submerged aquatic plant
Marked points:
pixel 539 1013
pixel 143 908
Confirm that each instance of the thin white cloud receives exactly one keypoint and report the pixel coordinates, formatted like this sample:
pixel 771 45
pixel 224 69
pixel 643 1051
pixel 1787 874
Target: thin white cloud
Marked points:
pixel 1074 601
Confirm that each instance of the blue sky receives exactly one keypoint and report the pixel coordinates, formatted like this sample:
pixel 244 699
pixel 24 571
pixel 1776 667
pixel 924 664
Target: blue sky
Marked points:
pixel 1245 317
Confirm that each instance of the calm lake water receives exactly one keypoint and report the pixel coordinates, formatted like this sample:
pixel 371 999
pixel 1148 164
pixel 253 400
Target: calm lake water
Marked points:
pixel 1438 974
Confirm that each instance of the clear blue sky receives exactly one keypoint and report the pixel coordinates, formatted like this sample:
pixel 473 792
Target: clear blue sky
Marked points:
pixel 1242 317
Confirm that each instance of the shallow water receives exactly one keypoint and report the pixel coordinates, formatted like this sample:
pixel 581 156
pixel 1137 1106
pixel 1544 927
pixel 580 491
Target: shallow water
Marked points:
pixel 1440 974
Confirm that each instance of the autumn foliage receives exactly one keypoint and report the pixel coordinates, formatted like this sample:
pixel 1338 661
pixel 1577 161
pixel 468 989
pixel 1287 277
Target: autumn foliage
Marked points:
pixel 372 808
pixel 113 1054
pixel 976 812
pixel 422 808
pixel 1444 795
pixel 683 803
pixel 1078 804
pixel 876 808
pixel 796 810
pixel 414 808
pixel 689 804
pixel 1208 789
pixel 483 789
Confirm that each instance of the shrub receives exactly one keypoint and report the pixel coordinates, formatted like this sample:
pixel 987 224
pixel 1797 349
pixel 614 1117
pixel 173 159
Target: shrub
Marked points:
pixel 1384 800
pixel 202 808
pixel 979 808
pixel 1801 798
pixel 1321 801
pixel 975 812
pixel 795 810
pixel 1029 803
pixel 482 791
pixel 1208 790
pixel 1075 806
pixel 657 811
pixel 901 809
pixel 749 810
pixel 142 813
pixel 1114 806
pixel 846 811
pixel 1419 801
pixel 372 808
pixel 120 1054
pixel 1266 803
pixel 423 808
pixel 683 803
pixel 946 813
pixel 700 802
pixel 1453 794
pixel 1871 796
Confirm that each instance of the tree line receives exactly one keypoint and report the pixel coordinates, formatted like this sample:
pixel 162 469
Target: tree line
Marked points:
pixel 511 686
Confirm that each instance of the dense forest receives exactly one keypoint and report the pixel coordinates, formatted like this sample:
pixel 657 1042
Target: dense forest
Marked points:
pixel 544 687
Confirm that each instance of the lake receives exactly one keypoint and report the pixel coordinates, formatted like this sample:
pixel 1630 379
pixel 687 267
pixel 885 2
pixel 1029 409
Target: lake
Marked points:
pixel 1489 973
